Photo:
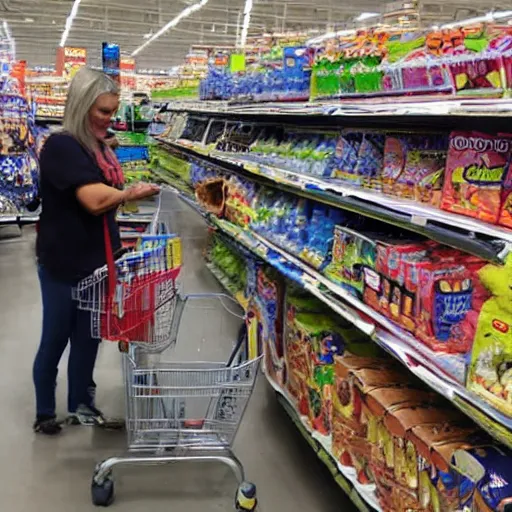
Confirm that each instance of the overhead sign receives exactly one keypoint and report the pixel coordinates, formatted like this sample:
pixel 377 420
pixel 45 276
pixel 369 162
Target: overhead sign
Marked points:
pixel 69 61
pixel 128 79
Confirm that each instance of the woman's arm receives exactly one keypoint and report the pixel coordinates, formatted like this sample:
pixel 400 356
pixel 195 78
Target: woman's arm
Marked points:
pixel 98 198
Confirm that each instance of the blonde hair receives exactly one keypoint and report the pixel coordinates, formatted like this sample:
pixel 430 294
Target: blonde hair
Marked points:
pixel 83 92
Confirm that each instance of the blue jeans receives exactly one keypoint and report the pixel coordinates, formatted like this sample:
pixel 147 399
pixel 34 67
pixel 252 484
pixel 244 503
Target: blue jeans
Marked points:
pixel 63 322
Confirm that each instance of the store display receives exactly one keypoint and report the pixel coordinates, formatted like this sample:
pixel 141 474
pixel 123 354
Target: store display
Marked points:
pixel 405 444
pixel 439 310
pixel 19 169
pixel 429 290
pixel 465 173
pixel 49 94
pixel 357 187
pixel 276 69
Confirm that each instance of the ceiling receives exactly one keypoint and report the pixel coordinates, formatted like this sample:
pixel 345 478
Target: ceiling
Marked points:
pixel 37 25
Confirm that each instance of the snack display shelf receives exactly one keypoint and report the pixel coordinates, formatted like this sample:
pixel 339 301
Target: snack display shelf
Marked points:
pixel 8 219
pixel 29 218
pixel 438 371
pixel 174 181
pixel 362 496
pixel 395 110
pixel 486 241
pixel 19 219
pixel 224 281
pixel 48 120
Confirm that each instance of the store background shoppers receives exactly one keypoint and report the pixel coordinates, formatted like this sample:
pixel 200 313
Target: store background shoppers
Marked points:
pixel 81 189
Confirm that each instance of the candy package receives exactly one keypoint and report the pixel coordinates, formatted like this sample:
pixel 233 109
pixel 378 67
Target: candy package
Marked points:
pixel 385 286
pixel 346 157
pixel 443 303
pixel 422 178
pixel 477 73
pixel 475 171
pixel 268 306
pixel 395 151
pixel 414 167
pixel 370 160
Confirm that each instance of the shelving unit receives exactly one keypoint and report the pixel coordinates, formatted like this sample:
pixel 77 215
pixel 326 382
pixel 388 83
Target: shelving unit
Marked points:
pixel 491 243
pixel 488 242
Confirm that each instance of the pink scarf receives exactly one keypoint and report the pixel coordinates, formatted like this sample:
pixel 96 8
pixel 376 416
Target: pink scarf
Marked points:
pixel 110 166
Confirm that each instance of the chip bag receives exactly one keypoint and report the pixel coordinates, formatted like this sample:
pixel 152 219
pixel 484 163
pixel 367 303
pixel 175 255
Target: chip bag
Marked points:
pixel 475 171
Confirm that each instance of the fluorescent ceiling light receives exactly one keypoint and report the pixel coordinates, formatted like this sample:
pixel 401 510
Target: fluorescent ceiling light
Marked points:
pixel 498 15
pixel 367 16
pixel 69 22
pixel 183 14
pixel 330 35
pixel 489 17
pixel 7 32
pixel 29 20
pixel 247 21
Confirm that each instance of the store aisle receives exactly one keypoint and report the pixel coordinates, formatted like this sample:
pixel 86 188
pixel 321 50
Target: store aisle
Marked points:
pixel 53 474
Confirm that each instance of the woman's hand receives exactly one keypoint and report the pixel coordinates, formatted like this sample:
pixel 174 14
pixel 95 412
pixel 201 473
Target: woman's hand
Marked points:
pixel 98 198
pixel 141 191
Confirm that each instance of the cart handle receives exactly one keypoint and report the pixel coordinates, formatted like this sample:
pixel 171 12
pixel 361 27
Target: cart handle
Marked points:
pixel 219 296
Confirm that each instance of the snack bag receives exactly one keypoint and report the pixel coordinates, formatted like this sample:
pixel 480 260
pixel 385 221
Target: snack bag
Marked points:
pixel 346 157
pixel 490 373
pixel 475 170
pixel 444 300
pixel 370 160
pixel 423 172
pixel 395 151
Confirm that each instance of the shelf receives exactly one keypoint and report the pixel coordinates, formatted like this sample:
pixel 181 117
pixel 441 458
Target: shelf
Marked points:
pixel 170 178
pixel 363 496
pixel 8 219
pixel 486 241
pixel 424 111
pixel 429 366
pixel 224 281
pixel 49 120
pixel 19 219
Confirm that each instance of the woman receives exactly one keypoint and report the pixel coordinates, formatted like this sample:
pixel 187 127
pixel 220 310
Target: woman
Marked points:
pixel 81 189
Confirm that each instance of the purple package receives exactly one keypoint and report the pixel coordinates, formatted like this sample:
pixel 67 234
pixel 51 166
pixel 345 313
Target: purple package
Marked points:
pixel 370 160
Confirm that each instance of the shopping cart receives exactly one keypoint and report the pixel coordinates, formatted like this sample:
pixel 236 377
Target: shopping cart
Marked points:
pixel 175 411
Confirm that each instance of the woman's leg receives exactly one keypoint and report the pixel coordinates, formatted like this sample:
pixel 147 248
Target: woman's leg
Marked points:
pixel 82 358
pixel 57 325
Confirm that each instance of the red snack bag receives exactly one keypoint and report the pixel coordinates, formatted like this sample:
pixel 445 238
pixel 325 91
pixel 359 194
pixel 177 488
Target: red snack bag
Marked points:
pixel 444 299
pixel 475 170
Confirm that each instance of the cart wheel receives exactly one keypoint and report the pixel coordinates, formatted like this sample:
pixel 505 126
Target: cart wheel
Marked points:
pixel 102 495
pixel 246 497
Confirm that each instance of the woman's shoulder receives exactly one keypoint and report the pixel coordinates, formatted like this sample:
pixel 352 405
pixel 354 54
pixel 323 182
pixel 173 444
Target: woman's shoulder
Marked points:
pixel 60 139
pixel 62 144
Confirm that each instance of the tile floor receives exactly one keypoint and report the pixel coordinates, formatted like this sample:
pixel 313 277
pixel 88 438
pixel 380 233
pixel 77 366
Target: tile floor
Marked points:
pixel 53 474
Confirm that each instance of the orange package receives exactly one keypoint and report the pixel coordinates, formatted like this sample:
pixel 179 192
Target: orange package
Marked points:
pixel 475 171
